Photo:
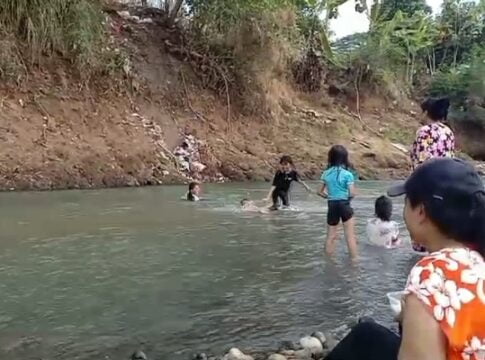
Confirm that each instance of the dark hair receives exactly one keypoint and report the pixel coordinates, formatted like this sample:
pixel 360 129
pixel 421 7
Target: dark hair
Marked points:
pixel 244 201
pixel 286 159
pixel 383 208
pixel 460 217
pixel 338 156
pixel 190 195
pixel 436 109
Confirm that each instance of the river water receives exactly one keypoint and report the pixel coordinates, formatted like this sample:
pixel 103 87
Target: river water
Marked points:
pixel 95 274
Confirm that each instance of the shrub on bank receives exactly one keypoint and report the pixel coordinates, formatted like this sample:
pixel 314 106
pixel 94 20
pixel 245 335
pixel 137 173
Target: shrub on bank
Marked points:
pixel 38 30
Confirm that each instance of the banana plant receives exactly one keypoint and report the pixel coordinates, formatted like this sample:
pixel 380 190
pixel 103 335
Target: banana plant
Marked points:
pixel 317 8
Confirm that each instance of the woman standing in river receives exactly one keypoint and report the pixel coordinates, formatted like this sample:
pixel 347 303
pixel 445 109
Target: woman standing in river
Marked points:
pixel 434 139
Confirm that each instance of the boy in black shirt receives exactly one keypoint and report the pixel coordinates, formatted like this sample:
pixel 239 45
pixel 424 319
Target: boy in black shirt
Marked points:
pixel 282 182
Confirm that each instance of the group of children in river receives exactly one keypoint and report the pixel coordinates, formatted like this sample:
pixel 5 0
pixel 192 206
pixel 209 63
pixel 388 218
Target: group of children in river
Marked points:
pixel 339 189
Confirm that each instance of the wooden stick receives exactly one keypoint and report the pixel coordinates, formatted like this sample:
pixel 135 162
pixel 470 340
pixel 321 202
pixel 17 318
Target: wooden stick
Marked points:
pixel 359 115
pixel 189 104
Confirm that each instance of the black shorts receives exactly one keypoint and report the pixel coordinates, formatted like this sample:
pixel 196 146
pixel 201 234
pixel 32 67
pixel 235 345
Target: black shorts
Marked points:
pixel 339 210
pixel 282 195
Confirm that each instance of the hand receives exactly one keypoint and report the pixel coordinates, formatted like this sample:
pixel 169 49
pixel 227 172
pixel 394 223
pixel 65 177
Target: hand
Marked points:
pixel 323 195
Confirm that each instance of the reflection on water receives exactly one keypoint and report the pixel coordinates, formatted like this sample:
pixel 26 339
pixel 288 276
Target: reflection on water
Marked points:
pixel 99 272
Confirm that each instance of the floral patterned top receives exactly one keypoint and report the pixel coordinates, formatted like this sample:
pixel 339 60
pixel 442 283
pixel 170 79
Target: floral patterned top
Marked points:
pixel 432 141
pixel 451 284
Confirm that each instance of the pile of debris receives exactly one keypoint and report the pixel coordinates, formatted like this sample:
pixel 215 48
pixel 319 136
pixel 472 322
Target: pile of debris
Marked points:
pixel 188 156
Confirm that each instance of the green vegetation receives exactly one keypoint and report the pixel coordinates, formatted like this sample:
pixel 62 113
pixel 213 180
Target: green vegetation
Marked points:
pixel 35 30
pixel 441 55
pixel 406 52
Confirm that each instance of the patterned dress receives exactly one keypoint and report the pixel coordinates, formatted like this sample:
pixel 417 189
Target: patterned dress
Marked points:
pixel 435 140
pixel 451 285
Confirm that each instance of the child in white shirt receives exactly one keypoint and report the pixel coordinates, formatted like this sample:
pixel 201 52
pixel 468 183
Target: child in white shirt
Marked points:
pixel 254 206
pixel 381 230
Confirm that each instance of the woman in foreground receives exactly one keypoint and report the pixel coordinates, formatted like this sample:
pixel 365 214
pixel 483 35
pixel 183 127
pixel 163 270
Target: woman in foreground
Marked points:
pixel 443 307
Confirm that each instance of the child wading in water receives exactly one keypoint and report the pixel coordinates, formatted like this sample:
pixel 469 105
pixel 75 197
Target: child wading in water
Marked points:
pixel 338 188
pixel 381 230
pixel 283 178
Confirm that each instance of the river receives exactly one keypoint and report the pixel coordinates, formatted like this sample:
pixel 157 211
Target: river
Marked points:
pixel 94 274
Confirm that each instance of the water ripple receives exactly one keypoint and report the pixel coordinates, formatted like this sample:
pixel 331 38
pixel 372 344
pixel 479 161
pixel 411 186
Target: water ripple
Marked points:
pixel 94 274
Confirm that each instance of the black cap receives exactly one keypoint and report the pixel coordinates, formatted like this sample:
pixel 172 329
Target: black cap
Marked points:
pixel 441 179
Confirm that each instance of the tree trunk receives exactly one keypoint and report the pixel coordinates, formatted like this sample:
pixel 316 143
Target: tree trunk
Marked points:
pixel 411 75
pixel 455 56
pixel 174 12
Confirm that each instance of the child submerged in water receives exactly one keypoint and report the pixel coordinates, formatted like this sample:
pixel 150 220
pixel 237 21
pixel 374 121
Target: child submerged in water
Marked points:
pixel 338 188
pixel 280 190
pixel 194 192
pixel 381 230
pixel 252 206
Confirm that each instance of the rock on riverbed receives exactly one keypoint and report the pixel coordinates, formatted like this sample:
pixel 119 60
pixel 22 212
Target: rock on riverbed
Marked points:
pixel 313 347
pixel 236 354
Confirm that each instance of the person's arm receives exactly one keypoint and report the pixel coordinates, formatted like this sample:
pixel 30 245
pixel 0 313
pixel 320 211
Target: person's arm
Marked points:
pixel 422 337
pixel 351 185
pixel 323 191
pixel 420 151
pixel 270 194
pixel 395 232
pixel 452 143
pixel 352 190
pixel 273 187
pixel 304 184
pixel 299 180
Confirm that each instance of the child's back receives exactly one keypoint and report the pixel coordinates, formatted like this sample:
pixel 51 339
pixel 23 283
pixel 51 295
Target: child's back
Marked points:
pixel 381 230
pixel 338 187
pixel 337 180
pixel 383 233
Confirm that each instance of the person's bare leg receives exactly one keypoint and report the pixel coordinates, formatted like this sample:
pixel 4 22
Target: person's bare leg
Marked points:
pixel 349 231
pixel 331 242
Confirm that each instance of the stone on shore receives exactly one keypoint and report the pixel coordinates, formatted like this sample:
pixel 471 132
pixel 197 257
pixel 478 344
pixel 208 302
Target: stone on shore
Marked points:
pixel 320 336
pixel 312 344
pixel 200 356
pixel 276 357
pixel 236 354
pixel 305 354
pixel 139 355
pixel 289 345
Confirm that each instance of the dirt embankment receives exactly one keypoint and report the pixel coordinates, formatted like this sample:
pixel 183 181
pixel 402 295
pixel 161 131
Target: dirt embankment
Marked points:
pixel 57 136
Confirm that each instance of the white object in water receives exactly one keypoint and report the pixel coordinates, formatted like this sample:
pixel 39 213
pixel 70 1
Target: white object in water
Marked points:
pixel 290 208
pixel 395 301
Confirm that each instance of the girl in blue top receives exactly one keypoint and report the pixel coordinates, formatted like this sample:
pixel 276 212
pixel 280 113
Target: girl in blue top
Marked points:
pixel 338 188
